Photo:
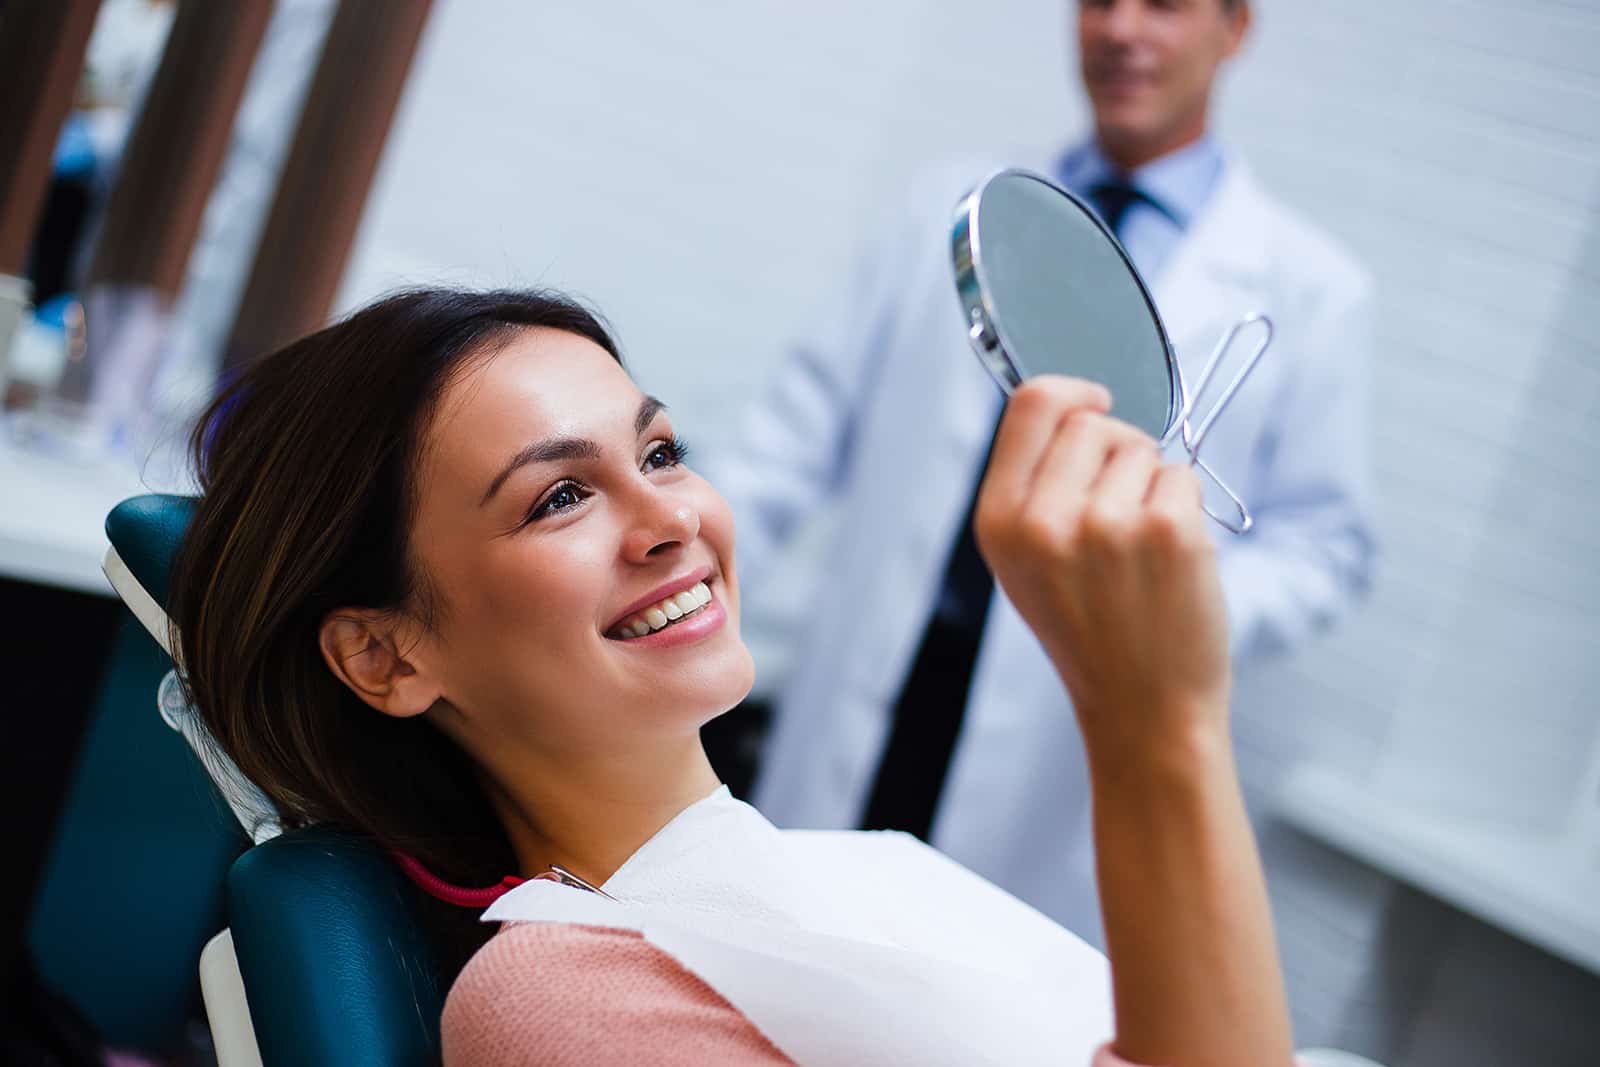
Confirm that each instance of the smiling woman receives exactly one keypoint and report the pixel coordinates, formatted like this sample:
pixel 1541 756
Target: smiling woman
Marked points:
pixel 450 584
pixel 431 493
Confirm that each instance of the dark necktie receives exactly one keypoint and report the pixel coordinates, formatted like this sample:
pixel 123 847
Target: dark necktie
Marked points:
pixel 1112 199
pixel 933 700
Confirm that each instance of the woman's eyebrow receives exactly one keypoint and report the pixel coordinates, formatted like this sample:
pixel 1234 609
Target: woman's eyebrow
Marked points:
pixel 649 408
pixel 554 449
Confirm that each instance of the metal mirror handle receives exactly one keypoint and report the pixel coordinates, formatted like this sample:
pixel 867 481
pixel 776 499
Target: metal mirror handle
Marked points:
pixel 1238 518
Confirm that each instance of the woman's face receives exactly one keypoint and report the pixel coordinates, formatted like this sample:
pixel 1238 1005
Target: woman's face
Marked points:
pixel 558 529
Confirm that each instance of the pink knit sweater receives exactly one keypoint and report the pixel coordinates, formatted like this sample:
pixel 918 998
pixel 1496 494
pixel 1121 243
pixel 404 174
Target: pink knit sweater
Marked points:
pixel 558 994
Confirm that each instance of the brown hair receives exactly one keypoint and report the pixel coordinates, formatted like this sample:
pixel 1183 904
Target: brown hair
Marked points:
pixel 307 473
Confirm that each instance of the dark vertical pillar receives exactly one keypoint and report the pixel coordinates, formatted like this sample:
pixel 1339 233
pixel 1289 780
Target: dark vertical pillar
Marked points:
pixel 42 44
pixel 177 147
pixel 309 233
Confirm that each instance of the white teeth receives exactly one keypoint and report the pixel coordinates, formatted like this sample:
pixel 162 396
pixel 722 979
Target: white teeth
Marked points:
pixel 671 609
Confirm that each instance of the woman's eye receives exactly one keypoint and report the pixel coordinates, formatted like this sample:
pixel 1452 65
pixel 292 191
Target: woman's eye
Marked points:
pixel 564 497
pixel 666 454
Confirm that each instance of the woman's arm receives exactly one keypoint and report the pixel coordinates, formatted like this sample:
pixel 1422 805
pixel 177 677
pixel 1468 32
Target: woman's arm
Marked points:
pixel 1104 552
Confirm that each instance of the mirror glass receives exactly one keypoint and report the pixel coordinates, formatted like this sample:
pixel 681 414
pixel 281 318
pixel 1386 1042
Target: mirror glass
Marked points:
pixel 1048 290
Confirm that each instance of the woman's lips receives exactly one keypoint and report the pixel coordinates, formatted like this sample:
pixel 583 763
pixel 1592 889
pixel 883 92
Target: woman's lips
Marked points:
pixel 686 631
pixel 699 576
pixel 663 613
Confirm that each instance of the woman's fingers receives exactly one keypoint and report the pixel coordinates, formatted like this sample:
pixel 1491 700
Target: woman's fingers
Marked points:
pixel 1104 553
pixel 1124 482
pixel 1031 419
pixel 1175 497
pixel 1071 467
pixel 1071 476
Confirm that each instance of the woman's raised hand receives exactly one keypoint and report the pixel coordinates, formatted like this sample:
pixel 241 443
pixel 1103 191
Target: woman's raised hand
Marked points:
pixel 1104 552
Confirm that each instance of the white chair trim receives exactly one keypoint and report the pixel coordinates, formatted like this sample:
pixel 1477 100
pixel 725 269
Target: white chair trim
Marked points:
pixel 1332 1057
pixel 233 1036
pixel 139 601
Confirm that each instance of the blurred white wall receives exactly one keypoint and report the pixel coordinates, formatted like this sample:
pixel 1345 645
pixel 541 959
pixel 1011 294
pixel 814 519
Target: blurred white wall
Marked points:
pixel 703 171
pixel 700 171
pixel 1456 145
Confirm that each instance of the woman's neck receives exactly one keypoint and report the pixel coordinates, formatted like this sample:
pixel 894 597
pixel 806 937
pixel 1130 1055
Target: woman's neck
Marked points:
pixel 589 818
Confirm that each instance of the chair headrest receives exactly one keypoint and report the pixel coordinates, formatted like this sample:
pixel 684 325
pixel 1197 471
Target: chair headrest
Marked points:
pixel 145 534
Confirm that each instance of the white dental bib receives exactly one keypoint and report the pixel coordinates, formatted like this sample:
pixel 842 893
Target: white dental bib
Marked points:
pixel 848 948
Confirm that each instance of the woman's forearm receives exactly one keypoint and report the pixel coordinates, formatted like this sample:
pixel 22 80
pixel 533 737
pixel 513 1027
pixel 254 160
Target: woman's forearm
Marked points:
pixel 1104 552
pixel 1194 964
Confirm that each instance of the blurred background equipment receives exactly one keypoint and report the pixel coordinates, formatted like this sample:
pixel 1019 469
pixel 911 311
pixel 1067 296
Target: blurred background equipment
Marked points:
pixel 152 219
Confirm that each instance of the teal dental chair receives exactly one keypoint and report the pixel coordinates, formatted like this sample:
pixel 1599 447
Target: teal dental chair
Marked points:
pixel 324 960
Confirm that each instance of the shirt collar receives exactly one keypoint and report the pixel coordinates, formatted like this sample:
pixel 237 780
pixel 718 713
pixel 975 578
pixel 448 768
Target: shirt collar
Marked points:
pixel 1180 181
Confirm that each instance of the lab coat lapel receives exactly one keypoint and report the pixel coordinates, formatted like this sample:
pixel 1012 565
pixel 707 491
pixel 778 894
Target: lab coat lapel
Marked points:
pixel 1216 273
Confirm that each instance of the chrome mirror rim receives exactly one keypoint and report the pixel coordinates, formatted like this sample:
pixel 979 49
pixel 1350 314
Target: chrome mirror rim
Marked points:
pixel 986 333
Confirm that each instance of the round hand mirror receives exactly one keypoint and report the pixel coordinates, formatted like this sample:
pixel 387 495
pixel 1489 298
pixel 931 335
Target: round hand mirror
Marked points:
pixel 1047 289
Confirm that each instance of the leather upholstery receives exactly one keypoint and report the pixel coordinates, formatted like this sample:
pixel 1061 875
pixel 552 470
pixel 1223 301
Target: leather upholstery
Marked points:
pixel 335 966
pixel 146 532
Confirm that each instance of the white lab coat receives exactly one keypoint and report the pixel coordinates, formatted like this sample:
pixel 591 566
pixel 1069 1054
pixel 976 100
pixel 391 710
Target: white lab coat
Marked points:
pixel 887 414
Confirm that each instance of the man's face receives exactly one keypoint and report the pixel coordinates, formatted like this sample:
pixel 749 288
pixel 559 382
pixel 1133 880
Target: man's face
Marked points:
pixel 1148 66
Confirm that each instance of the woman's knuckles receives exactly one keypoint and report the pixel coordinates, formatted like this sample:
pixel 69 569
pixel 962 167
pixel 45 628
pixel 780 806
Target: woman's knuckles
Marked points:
pixel 1171 534
pixel 1041 534
pixel 1106 528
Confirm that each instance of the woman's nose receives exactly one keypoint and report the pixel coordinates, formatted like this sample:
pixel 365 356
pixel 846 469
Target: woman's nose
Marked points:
pixel 664 522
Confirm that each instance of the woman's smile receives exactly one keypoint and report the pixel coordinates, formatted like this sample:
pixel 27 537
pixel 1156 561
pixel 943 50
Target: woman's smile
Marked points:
pixel 699 614
pixel 678 600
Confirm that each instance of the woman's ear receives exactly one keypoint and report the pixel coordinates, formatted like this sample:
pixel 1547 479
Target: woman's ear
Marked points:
pixel 362 649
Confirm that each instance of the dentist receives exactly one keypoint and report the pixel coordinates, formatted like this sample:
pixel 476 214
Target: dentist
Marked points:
pixel 918 699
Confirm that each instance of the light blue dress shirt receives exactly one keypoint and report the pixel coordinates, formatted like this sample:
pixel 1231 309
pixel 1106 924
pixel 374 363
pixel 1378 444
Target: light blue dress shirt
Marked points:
pixel 1181 182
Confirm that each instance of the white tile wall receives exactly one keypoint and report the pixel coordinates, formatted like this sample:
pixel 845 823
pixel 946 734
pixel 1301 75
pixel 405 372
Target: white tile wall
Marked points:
pixel 702 170
pixel 1457 147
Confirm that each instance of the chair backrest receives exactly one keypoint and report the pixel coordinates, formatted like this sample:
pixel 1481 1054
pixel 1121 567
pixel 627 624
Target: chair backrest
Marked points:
pixel 336 967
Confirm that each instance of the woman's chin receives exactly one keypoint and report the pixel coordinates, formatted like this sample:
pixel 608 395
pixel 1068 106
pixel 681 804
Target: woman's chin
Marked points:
pixel 732 681
pixel 741 679
pixel 713 682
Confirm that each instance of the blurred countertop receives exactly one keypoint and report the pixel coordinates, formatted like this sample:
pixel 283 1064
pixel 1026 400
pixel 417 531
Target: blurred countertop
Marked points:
pixel 52 517
pixel 1541 887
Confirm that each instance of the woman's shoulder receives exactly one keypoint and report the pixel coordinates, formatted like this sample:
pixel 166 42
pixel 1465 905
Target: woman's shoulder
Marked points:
pixel 562 993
